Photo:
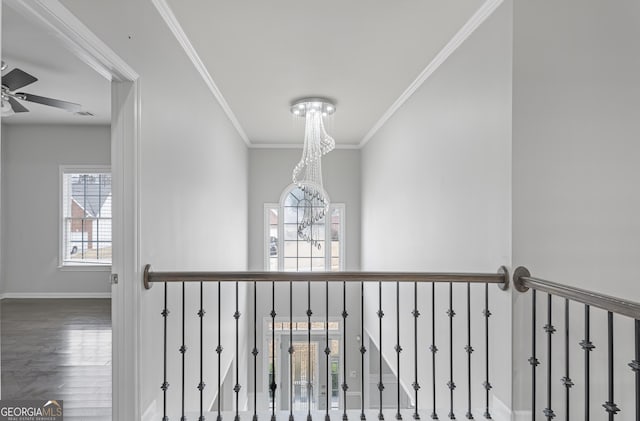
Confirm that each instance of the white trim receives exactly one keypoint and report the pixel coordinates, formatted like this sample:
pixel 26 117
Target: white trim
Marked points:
pixel 296 146
pixel 53 295
pixel 125 163
pixel 472 24
pixel 76 37
pixel 85 268
pixel 175 27
pixel 500 411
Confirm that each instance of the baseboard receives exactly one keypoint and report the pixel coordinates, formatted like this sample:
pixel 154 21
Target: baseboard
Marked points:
pixel 50 295
pixel 521 415
pixel 500 411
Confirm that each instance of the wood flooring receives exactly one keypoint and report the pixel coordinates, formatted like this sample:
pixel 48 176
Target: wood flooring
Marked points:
pixel 58 349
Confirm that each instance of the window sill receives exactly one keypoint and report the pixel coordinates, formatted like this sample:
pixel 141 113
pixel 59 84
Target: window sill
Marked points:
pixel 85 268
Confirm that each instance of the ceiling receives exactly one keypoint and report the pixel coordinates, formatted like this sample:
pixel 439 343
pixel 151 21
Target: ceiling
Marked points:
pixel 363 54
pixel 61 75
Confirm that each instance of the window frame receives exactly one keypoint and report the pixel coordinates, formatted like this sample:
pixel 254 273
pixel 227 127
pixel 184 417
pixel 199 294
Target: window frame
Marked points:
pixel 280 207
pixel 78 169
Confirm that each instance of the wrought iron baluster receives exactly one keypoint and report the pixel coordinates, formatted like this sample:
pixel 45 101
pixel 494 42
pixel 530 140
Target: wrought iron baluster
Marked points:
pixel 566 380
pixel 273 385
pixel 363 350
pixel 548 412
pixel 219 352
pixel 327 350
pixel 450 384
pixel 165 385
pixel 533 360
pixel 182 350
pixel 237 386
pixel 433 348
pixel 398 348
pixel 469 350
pixel 291 351
pixel 254 352
pixel 635 366
pixel 345 386
pixel 587 346
pixel 380 316
pixel 487 385
pixel 610 406
pixel 309 314
pixel 416 314
pixel 201 385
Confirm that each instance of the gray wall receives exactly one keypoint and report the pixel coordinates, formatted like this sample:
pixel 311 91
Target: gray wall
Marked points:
pixel 31 159
pixel 576 177
pixel 270 173
pixel 436 197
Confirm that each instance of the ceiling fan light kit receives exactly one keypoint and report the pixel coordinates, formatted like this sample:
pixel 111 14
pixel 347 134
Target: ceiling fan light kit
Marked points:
pixel 307 174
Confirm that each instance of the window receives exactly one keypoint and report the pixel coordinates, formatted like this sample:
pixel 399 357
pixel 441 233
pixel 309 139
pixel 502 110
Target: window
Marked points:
pixel 285 251
pixel 86 216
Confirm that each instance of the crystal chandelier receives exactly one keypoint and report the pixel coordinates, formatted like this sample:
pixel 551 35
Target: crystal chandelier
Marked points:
pixel 307 174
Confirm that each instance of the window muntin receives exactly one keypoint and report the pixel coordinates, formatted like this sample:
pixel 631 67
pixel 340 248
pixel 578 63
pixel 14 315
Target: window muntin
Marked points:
pixel 86 238
pixel 285 251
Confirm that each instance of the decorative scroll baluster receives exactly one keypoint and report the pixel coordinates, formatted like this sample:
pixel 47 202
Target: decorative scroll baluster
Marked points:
pixel 433 348
pixel 635 366
pixel 486 384
pixel 416 314
pixel 201 385
pixel 469 350
pixel 362 352
pixel 182 350
pixel 291 351
pixel 398 348
pixel 345 386
pixel 533 360
pixel 309 385
pixel 254 352
pixel 327 350
pixel 587 346
pixel 237 386
pixel 219 352
pixel 610 405
pixel 566 380
pixel 450 384
pixel 273 385
pixel 165 385
pixel 380 316
pixel 548 412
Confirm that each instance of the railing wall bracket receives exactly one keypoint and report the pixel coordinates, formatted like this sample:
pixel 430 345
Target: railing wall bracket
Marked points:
pixel 518 274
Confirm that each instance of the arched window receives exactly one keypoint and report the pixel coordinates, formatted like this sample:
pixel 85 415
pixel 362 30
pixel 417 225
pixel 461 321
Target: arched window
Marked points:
pixel 286 251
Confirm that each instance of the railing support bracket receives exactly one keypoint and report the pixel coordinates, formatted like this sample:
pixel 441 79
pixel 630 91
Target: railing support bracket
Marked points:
pixel 145 277
pixel 518 274
pixel 505 272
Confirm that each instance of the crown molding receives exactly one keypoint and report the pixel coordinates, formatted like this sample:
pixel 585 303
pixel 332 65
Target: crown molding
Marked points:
pixel 297 146
pixel 75 36
pixel 467 29
pixel 172 22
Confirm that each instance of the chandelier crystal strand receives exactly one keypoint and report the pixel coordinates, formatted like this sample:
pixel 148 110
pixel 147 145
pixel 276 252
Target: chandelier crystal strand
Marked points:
pixel 307 174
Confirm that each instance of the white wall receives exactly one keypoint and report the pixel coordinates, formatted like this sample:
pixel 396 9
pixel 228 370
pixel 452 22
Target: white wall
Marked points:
pixel 193 187
pixel 270 173
pixel 31 159
pixel 436 197
pixel 575 179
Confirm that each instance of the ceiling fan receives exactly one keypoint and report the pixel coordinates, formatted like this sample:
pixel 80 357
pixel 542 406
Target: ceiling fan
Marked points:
pixel 17 79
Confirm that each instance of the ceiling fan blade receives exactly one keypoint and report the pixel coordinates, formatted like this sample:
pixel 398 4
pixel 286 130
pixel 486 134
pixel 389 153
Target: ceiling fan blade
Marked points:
pixel 17 107
pixel 69 106
pixel 17 79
